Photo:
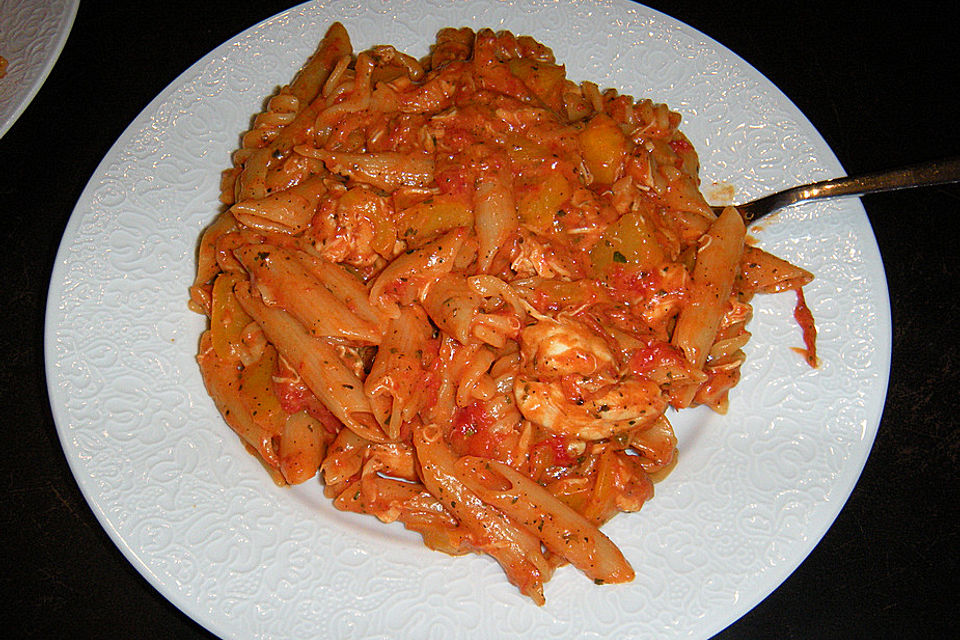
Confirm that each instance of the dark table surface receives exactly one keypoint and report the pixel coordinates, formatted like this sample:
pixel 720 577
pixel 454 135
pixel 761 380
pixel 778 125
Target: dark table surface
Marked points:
pixel 876 80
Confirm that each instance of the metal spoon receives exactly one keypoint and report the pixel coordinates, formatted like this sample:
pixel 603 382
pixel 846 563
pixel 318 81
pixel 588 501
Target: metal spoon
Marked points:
pixel 921 175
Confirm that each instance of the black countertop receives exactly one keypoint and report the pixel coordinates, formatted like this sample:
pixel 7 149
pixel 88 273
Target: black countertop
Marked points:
pixel 877 82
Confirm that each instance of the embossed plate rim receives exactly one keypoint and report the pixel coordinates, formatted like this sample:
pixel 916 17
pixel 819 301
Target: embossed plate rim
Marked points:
pixel 197 517
pixel 24 93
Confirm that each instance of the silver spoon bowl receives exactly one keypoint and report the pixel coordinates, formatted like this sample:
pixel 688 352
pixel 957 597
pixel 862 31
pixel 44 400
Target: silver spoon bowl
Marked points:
pixel 921 175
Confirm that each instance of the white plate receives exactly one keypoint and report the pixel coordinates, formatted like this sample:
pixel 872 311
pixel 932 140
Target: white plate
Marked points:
pixel 32 35
pixel 754 491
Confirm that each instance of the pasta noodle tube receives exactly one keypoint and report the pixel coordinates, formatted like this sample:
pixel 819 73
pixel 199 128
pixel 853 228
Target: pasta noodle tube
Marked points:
pixel 517 550
pixel 474 383
pixel 226 244
pixel 424 514
pixel 405 279
pixel 380 492
pixel 227 318
pixel 495 219
pixel 317 362
pixel 289 210
pixel 393 459
pixel 252 181
pixel 344 457
pixel 381 497
pixel 390 60
pixel 765 273
pixel 281 110
pixel 453 305
pixel 306 86
pixel 222 379
pixel 459 307
pixel 386 170
pixel 397 375
pixel 347 287
pixel 207 266
pixel 301 447
pixel 656 445
pixel 461 376
pixel 257 390
pixel 561 529
pixel 281 279
pixel 716 268
pixel 452 44
pixel 334 46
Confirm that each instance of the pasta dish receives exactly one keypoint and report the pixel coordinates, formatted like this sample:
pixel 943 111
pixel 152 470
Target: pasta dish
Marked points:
pixel 465 291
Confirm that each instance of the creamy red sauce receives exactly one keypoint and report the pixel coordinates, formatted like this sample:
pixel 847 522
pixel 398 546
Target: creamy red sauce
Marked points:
pixel 804 318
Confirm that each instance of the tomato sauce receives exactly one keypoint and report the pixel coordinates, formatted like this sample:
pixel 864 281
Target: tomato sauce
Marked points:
pixel 471 434
pixel 559 449
pixel 294 397
pixel 654 356
pixel 804 318
pixel 681 145
pixel 629 283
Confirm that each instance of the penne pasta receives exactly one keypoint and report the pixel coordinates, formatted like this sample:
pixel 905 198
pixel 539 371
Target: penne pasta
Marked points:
pixel 288 211
pixel 463 291
pixel 395 381
pixel 407 278
pixel 453 306
pixel 561 529
pixel 301 448
pixel 222 379
pixel 311 78
pixel 761 272
pixel 385 170
pixel 517 551
pixel 496 220
pixel 317 361
pixel 717 265
pixel 281 278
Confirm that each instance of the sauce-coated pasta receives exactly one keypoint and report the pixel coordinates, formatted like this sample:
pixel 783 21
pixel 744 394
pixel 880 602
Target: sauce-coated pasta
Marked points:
pixel 466 291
